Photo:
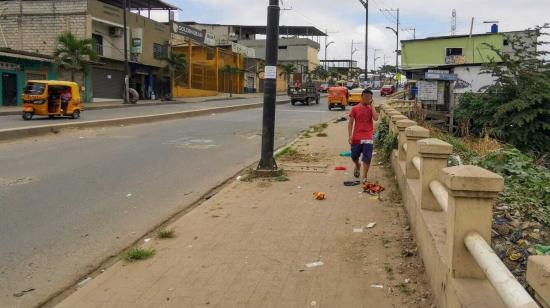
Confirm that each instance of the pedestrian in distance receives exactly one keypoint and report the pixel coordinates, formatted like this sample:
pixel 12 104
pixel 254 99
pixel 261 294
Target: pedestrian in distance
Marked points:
pixel 361 133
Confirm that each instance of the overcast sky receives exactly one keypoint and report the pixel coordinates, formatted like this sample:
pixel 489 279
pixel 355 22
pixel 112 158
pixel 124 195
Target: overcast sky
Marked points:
pixel 345 19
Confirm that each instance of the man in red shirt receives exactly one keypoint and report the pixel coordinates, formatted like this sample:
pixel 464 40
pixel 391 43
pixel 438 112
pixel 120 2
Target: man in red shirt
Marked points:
pixel 361 132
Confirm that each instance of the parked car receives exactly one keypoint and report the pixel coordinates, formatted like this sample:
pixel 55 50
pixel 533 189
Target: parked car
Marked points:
pixel 387 90
pixel 324 88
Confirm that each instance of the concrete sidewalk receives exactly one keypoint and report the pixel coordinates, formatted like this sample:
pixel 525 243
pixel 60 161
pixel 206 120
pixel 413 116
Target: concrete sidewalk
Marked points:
pixel 255 244
pixel 113 104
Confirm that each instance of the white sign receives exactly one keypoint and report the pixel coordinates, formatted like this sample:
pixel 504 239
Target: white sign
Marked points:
pixel 270 72
pixel 210 39
pixel 427 90
pixel 243 50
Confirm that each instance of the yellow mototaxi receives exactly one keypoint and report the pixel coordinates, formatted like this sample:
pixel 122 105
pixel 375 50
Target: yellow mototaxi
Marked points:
pixel 338 97
pixel 355 96
pixel 52 98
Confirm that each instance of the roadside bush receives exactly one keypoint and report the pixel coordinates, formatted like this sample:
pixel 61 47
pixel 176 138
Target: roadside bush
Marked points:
pixel 385 141
pixel 527 184
pixel 516 109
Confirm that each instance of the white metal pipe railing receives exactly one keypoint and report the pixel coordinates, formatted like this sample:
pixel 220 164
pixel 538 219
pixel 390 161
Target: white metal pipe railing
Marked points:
pixel 441 194
pixel 416 162
pixel 509 289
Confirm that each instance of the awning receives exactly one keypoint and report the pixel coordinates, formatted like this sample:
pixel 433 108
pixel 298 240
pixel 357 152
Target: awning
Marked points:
pixel 19 56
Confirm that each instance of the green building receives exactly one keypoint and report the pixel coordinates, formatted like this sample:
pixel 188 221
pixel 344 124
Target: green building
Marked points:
pixel 451 50
pixel 16 67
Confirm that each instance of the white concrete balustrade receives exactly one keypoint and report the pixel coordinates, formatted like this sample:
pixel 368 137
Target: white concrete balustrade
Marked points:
pixel 450 209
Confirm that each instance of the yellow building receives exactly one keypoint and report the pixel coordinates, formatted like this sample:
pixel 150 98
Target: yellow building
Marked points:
pixel 210 69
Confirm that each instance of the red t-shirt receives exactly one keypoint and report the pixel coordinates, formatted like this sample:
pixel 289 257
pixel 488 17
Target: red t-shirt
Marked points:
pixel 364 123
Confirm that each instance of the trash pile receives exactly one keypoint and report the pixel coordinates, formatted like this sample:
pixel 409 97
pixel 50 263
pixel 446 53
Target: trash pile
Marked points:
pixel 373 188
pixel 319 195
pixel 516 237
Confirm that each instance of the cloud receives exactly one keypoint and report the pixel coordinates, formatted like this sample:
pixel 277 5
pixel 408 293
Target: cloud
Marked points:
pixel 346 18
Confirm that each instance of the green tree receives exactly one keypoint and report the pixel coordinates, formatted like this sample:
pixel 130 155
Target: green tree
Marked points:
pixel 74 54
pixel 320 73
pixel 516 109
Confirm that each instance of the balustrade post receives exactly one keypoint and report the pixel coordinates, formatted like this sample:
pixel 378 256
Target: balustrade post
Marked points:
pixel 434 155
pixel 393 120
pixel 413 134
pixel 472 192
pixel 401 126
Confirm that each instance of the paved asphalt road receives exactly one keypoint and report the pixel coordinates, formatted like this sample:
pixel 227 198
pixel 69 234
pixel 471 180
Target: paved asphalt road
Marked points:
pixel 13 121
pixel 70 200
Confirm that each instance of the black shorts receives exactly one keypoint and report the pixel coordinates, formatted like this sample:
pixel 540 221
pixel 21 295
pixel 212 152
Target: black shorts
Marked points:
pixel 365 149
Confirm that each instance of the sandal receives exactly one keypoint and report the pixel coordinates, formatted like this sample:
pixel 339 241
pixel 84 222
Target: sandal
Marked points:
pixel 352 183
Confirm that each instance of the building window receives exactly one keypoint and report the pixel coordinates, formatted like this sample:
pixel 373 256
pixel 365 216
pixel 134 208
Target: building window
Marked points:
pixel 97 43
pixel 453 52
pixel 160 52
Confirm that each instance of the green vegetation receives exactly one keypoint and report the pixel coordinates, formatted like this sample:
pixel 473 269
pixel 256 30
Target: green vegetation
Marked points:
pixel 288 151
pixel 404 288
pixel 527 184
pixel 516 109
pixel 322 135
pixel 166 233
pixel 137 253
pixel 386 141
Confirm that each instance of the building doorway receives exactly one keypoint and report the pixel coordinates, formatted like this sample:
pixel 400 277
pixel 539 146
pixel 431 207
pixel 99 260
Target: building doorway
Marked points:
pixel 9 89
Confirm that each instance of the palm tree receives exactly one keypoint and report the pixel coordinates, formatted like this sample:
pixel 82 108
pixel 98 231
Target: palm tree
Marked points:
pixel 74 54
pixel 176 66
pixel 288 71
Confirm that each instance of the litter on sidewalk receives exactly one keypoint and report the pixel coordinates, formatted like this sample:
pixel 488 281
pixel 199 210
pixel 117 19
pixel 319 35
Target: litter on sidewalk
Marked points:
pixel 377 286
pixel 351 183
pixel 319 195
pixel 340 168
pixel 345 154
pixel 314 264
pixel 341 119
pixel 357 230
pixel 373 188
pixel 371 225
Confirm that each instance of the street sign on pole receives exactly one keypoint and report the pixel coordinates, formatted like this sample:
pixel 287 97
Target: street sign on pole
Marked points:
pixel 267 161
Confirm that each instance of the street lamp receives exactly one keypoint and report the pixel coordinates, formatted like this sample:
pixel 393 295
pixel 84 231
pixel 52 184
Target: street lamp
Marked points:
pixel 326 46
pixel 396 32
pixel 365 4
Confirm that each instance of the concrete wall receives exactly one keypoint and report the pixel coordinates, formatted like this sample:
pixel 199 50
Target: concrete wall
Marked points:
pixel 34 25
pixel 471 79
pixel 153 32
pixel 297 51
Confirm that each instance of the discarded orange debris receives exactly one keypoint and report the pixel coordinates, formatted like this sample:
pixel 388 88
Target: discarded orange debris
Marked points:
pixel 373 188
pixel 319 195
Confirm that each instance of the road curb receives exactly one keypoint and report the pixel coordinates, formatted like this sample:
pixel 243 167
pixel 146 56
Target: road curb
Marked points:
pixel 16 133
pixel 160 103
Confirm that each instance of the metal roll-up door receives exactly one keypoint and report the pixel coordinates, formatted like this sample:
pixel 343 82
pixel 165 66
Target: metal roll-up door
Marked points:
pixel 35 76
pixel 107 83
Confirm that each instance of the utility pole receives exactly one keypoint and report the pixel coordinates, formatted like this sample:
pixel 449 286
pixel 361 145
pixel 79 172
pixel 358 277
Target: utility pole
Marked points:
pixel 411 29
pixel 126 67
pixel 267 161
pixel 365 4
